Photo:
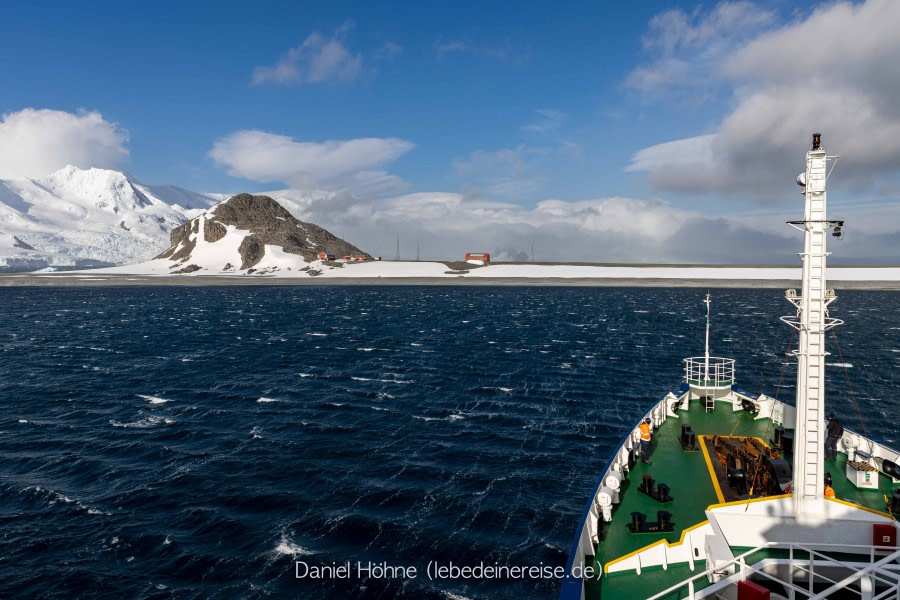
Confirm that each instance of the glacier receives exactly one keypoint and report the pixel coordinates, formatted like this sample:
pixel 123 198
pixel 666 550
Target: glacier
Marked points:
pixel 79 218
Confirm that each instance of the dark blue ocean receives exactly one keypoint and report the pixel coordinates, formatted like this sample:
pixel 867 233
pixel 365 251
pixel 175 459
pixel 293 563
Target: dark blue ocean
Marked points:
pixel 173 442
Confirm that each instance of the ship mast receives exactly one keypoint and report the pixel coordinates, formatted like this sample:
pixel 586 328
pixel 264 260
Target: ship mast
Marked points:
pixel 812 321
pixel 706 355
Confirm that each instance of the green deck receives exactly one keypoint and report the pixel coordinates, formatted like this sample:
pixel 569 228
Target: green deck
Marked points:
pixel 692 488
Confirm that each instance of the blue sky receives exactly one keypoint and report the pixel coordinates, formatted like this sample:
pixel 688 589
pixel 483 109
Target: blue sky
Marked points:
pixel 497 107
pixel 461 78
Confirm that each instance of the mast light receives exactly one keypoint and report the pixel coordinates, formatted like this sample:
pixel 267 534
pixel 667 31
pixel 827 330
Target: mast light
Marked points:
pixel 817 141
pixel 838 232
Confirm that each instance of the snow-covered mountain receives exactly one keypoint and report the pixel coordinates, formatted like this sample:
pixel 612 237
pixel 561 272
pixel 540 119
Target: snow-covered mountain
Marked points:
pixel 89 217
pixel 245 235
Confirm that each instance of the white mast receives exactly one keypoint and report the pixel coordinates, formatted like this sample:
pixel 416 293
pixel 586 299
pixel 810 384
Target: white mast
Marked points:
pixel 706 354
pixel 812 322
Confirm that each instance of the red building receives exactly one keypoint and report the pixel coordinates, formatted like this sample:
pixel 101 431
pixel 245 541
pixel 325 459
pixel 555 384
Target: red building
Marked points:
pixel 478 258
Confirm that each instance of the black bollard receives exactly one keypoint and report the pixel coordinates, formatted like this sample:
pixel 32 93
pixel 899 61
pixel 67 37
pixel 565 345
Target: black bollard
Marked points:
pixel 662 491
pixel 691 442
pixel 664 517
pixel 637 521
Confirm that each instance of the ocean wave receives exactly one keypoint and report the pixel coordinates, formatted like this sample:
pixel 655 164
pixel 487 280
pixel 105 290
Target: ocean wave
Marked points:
pixel 153 399
pixel 265 399
pixel 397 381
pixel 49 498
pixel 151 421
pixel 286 547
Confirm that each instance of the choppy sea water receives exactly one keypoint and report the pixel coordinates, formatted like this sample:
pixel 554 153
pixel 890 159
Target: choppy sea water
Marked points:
pixel 199 442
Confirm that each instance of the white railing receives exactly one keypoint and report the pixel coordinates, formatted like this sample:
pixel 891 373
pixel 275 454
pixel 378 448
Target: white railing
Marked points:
pixel 718 373
pixel 883 572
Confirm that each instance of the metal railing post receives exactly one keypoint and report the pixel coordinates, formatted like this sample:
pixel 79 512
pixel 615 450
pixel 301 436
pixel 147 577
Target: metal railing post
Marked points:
pixel 812 572
pixel 792 594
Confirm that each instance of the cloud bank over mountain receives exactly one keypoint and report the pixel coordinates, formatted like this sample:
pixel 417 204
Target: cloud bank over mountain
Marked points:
pixel 36 142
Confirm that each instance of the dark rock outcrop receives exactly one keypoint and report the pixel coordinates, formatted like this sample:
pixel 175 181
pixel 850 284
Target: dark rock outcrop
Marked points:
pixel 267 223
pixel 17 243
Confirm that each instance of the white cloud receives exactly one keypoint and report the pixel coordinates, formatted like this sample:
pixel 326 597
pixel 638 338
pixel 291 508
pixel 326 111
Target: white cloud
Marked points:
pixel 506 173
pixel 36 142
pixel 449 224
pixel 504 53
pixel 336 164
pixel 317 60
pixel 387 51
pixel 834 71
pixel 689 47
pixel 446 225
pixel 509 162
pixel 548 122
pixel 517 173
pixel 680 154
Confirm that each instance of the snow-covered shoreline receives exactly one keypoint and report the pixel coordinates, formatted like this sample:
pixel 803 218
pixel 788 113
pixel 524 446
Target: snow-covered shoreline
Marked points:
pixel 278 264
pixel 436 273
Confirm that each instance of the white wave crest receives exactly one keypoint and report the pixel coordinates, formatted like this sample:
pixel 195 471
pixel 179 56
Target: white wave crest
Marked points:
pixel 153 399
pixel 148 422
pixel 286 547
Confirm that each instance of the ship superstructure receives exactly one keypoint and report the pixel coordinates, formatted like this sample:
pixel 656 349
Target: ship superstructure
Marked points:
pixel 733 505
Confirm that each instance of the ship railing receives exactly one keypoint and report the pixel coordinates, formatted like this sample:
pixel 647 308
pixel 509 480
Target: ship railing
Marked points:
pixel 881 572
pixel 718 373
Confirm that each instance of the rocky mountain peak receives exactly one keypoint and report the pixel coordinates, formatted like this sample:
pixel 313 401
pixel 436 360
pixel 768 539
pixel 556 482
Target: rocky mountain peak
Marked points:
pixel 259 221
